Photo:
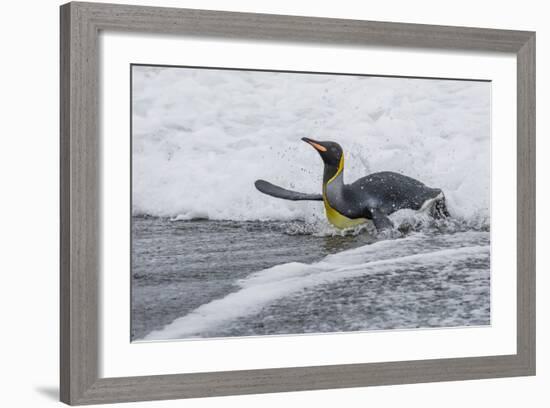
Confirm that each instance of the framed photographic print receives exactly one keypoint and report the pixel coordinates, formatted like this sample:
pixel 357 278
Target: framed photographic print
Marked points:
pixel 260 203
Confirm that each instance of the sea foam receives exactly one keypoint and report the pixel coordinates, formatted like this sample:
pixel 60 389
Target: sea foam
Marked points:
pixel 202 137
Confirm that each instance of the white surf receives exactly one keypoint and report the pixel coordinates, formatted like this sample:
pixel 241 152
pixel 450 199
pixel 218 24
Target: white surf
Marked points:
pixel 202 137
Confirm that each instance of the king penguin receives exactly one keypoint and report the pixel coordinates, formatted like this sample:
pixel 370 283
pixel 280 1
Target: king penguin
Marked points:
pixel 372 197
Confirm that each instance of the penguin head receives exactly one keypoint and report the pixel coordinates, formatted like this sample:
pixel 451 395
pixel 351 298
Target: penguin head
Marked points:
pixel 330 152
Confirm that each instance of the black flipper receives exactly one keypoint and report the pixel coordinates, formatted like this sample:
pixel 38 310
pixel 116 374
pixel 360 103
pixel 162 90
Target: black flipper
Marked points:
pixel 381 220
pixel 279 192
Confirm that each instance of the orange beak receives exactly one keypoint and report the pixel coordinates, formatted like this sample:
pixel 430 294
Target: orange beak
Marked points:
pixel 315 144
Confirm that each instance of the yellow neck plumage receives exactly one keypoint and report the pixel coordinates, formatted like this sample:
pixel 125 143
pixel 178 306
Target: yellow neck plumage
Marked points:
pixel 334 217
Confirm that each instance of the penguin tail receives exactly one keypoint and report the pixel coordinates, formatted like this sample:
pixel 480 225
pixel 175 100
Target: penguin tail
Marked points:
pixel 275 191
pixel 439 208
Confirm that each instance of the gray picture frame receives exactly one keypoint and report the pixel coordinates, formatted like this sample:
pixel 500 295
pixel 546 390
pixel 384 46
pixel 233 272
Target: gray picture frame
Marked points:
pixel 81 24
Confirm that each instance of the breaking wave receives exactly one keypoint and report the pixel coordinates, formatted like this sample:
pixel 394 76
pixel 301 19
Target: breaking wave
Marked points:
pixel 202 137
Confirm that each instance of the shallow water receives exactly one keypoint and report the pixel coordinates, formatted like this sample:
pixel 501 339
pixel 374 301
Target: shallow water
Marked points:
pixel 226 278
